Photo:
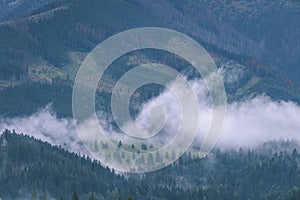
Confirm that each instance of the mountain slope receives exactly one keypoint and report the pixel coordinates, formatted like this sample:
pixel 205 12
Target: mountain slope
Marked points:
pixel 50 43
pixel 11 9
pixel 32 168
pixel 80 25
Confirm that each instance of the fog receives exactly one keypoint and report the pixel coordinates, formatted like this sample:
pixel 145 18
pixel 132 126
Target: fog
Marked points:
pixel 46 126
pixel 247 124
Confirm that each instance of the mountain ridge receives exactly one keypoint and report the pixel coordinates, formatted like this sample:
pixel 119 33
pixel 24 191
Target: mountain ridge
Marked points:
pixel 50 43
pixel 35 168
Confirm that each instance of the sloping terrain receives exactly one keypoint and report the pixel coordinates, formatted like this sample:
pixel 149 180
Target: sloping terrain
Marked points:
pixel 35 169
pixel 12 9
pixel 49 44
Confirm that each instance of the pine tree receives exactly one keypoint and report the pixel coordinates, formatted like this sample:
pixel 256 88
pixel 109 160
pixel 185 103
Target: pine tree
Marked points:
pixel 75 196
pixel 158 158
pixel 34 194
pixel 92 196
pixel 44 197
pixel 120 144
pixel 150 160
pixel 60 198
pixel 144 147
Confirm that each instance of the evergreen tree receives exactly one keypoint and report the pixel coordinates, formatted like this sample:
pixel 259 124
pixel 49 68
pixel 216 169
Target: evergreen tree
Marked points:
pixel 92 196
pixel 34 195
pixel 158 158
pixel 144 147
pixel 120 144
pixel 150 160
pixel 44 196
pixel 260 174
pixel 75 196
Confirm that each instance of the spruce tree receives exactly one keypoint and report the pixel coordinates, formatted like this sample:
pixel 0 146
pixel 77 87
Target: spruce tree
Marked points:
pixel 75 196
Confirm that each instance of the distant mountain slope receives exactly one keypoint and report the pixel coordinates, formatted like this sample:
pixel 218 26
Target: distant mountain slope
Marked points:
pixel 65 26
pixel 260 31
pixel 11 9
pixel 30 169
pixel 55 30
pixel 50 43
pixel 273 25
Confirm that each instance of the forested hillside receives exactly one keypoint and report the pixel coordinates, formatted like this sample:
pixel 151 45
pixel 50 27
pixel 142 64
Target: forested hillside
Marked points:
pixel 13 9
pixel 31 169
pixel 51 41
pixel 255 46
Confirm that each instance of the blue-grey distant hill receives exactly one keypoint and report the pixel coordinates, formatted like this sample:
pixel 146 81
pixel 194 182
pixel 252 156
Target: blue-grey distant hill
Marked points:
pixel 12 9
pixel 45 41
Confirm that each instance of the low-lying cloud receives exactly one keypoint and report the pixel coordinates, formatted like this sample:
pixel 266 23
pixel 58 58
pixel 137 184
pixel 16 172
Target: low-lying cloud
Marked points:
pixel 258 120
pixel 45 126
pixel 248 123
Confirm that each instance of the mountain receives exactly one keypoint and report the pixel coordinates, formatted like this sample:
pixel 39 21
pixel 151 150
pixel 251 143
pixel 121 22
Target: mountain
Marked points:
pixel 272 26
pixel 48 43
pixel 31 168
pixel 12 9
pixel 255 45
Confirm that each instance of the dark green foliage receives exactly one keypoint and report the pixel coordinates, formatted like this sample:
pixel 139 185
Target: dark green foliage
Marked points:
pixel 129 198
pixel 120 144
pixel 59 198
pixel 11 9
pixel 78 26
pixel 28 98
pixel 75 196
pixel 144 146
pixel 14 53
pixel 36 166
pixel 50 168
pixel 92 196
pixel 44 196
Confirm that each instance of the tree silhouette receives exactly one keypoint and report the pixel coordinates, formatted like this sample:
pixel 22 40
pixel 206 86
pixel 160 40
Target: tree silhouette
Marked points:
pixel 92 196
pixel 130 198
pixel 120 144
pixel 75 196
